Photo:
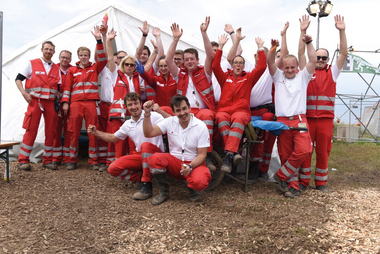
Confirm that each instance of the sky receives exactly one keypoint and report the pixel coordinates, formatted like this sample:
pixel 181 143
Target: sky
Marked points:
pixel 25 21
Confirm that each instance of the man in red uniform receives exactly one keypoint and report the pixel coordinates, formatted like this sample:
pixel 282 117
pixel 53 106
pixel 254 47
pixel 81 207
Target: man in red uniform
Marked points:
pixel 194 81
pixel 62 154
pixel 320 107
pixel 81 91
pixel 41 89
pixel 233 108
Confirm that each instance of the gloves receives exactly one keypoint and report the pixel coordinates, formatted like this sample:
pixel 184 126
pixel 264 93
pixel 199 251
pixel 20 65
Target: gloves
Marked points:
pixel 139 67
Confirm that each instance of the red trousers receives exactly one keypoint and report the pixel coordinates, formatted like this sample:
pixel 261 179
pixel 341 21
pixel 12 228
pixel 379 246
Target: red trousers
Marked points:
pixel 293 147
pixel 263 152
pixel 61 153
pixel 30 124
pixel 321 134
pixel 231 127
pixel 198 179
pixel 134 167
pixel 207 116
pixel 103 122
pixel 78 110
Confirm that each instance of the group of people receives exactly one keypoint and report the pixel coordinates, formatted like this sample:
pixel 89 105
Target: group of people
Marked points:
pixel 145 98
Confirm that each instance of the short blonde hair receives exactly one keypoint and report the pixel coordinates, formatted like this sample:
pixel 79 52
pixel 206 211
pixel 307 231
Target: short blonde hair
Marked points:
pixel 121 65
pixel 84 49
pixel 287 57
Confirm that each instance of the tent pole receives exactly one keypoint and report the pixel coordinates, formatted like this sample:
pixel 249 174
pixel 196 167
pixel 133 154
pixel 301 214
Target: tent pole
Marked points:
pixel 1 64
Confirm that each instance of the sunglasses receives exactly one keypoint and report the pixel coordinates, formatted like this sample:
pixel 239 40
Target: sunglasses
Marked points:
pixel 129 64
pixel 324 58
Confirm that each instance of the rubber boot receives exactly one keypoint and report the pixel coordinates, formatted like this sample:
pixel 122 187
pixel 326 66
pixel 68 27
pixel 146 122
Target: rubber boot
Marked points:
pixel 163 185
pixel 145 191
pixel 194 196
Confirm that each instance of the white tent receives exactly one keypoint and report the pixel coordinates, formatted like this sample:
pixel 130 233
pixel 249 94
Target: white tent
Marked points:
pixel 75 33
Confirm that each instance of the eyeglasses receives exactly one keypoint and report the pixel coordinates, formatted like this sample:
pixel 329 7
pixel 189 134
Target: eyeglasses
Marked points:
pixel 238 63
pixel 162 66
pixel 324 58
pixel 65 58
pixel 177 59
pixel 120 57
pixel 129 64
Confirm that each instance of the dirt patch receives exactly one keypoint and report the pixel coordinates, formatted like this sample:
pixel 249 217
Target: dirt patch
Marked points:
pixel 85 211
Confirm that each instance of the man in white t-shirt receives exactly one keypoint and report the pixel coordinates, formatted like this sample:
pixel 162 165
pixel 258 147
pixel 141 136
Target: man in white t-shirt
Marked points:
pixel 134 167
pixel 290 100
pixel 188 139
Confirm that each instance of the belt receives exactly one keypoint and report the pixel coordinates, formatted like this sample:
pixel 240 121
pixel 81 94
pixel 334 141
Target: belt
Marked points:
pixel 291 117
pixel 268 106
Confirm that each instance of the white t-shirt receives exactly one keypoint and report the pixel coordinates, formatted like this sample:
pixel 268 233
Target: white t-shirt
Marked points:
pixel 290 95
pixel 190 139
pixel 107 83
pixel 134 130
pixel 261 93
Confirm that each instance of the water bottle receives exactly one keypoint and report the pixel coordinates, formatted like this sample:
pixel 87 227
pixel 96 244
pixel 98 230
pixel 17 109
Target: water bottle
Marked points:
pixel 104 22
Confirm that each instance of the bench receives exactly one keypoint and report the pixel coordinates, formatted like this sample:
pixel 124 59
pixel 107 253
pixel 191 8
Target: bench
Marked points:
pixel 6 145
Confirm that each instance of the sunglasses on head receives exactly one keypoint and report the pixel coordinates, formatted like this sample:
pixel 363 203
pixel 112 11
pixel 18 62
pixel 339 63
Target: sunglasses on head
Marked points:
pixel 129 64
pixel 324 58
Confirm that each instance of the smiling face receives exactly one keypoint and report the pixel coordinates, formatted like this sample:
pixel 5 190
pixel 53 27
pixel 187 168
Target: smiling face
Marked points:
pixel 120 57
pixel 191 62
pixel 84 57
pixel 65 59
pixel 183 113
pixel 290 66
pixel 129 66
pixel 237 65
pixel 144 56
pixel 134 108
pixel 163 67
pixel 322 58
pixel 178 60
pixel 47 52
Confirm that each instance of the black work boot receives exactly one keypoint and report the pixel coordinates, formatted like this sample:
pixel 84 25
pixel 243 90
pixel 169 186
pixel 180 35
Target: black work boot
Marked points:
pixel 282 185
pixel 253 170
pixel 163 185
pixel 227 163
pixel 145 191
pixel 194 196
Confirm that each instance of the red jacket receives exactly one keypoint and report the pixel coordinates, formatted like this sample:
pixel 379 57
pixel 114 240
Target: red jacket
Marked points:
pixel 321 94
pixel 82 83
pixel 42 85
pixel 63 80
pixel 201 84
pixel 118 109
pixel 236 92
pixel 165 89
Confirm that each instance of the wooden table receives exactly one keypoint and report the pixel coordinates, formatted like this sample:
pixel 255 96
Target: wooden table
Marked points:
pixel 5 155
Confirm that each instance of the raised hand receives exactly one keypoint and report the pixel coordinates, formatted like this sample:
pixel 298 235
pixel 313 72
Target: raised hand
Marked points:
pixel 96 33
pixel 205 24
pixel 223 39
pixel 274 43
pixel 148 106
pixel 259 42
pixel 177 33
pixel 139 67
pixel 238 34
pixel 306 38
pixel 283 32
pixel 111 35
pixel 228 28
pixel 304 22
pixel 339 22
pixel 156 31
pixel 103 29
pixel 145 28
pixel 154 45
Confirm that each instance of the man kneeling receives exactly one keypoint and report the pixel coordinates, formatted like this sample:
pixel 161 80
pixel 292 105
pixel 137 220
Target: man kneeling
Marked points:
pixel 134 167
pixel 188 139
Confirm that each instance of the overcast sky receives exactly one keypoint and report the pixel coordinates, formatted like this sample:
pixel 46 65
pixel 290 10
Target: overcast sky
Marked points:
pixel 26 20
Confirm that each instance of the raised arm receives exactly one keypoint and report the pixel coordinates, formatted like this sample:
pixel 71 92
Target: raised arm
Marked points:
pixel 341 26
pixel 218 72
pixel 102 60
pixel 235 45
pixel 271 57
pixel 149 130
pixel 157 33
pixel 311 54
pixel 177 33
pixel 231 54
pixel 207 45
pixel 103 31
pixel 111 63
pixel 284 46
pixel 304 24
pixel 145 31
pixel 152 57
